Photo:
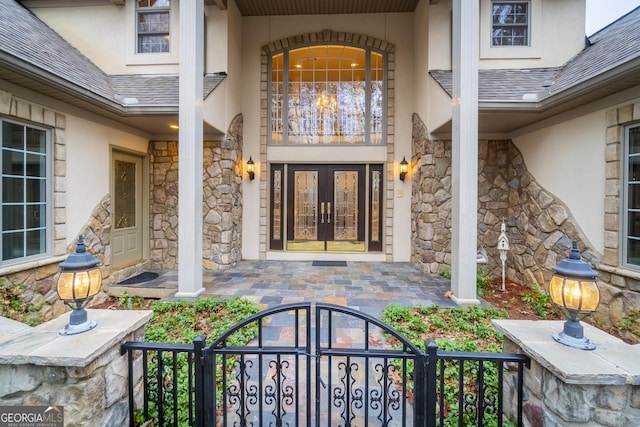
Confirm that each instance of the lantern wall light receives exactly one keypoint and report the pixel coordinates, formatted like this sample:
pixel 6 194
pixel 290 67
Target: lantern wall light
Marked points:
pixel 574 287
pixel 404 168
pixel 79 281
pixel 251 168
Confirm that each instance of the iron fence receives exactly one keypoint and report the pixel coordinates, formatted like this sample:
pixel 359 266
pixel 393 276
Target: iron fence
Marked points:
pixel 309 376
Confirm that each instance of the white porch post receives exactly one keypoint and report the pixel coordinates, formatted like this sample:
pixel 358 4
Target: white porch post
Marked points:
pixel 190 149
pixel 464 227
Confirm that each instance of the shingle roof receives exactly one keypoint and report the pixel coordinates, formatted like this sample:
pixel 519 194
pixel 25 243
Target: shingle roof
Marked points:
pixel 610 47
pixel 503 85
pixel 157 89
pixel 27 38
pixel 614 45
pixel 24 37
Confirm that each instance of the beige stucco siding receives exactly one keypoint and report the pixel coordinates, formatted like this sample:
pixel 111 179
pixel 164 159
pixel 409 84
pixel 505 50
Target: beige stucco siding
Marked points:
pixel 88 152
pixel 567 159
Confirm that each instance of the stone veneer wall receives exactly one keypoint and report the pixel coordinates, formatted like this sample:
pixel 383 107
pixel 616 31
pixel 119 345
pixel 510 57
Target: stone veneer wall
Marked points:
pixel 222 201
pixel 539 226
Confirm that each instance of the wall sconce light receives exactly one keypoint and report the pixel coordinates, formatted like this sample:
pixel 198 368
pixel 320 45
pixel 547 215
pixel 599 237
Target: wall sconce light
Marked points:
pixel 251 168
pixel 574 287
pixel 79 281
pixel 404 168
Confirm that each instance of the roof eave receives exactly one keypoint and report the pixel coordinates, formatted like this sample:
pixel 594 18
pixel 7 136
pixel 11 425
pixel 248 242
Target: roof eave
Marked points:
pixel 56 82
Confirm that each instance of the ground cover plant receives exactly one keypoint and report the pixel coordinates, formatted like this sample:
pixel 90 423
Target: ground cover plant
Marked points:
pixel 14 304
pixel 453 329
pixel 182 322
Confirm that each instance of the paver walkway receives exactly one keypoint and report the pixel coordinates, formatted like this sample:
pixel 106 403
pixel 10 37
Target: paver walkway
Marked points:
pixel 366 286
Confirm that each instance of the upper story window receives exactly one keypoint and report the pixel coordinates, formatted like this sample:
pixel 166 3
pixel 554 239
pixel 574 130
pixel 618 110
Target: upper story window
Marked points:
pixel 152 24
pixel 327 94
pixel 25 218
pixel 510 21
pixel 631 198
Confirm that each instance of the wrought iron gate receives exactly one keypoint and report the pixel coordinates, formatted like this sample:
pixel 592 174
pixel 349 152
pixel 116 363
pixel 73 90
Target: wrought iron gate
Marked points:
pixel 327 366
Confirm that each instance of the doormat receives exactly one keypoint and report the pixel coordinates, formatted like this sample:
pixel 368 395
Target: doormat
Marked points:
pixel 140 278
pixel 329 264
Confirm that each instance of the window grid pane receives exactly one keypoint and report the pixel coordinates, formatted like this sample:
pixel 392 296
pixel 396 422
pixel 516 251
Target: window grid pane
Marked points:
pixel 153 26
pixel 323 96
pixel 632 197
pixel 510 23
pixel 24 188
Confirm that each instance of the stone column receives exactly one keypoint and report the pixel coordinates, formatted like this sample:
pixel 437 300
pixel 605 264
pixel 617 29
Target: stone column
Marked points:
pixel 190 145
pixel 85 374
pixel 570 387
pixel 464 185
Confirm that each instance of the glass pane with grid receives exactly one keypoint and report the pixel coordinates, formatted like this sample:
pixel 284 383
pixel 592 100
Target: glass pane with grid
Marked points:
pixel 24 174
pixel 510 23
pixel 153 26
pixel 321 93
pixel 633 196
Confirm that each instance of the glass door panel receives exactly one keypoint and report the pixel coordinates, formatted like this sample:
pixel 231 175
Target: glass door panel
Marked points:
pixel 325 210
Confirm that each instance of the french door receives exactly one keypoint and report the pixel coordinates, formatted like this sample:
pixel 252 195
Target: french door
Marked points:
pixel 326 208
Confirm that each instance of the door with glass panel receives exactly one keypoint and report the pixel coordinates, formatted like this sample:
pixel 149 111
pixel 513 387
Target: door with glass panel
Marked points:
pixel 326 208
pixel 126 232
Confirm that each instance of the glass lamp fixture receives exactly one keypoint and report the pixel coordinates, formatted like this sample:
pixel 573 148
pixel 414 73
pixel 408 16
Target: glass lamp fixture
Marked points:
pixel 251 168
pixel 574 287
pixel 79 281
pixel 404 168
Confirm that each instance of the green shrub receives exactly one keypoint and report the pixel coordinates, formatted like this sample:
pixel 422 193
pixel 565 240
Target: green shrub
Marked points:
pixel 15 307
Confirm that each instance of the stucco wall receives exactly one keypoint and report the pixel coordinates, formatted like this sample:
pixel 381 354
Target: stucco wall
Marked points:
pixel 567 159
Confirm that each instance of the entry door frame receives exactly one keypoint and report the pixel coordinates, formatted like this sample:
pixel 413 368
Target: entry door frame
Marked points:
pixel 141 229
pixel 326 192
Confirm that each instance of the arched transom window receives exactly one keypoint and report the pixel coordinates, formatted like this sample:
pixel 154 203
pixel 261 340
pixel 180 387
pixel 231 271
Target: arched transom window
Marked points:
pixel 327 94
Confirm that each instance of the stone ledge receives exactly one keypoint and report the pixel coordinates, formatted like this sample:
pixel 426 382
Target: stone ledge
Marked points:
pixel 612 362
pixel 43 345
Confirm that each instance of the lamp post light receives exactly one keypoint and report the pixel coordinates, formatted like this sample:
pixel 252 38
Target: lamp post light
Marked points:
pixel 79 281
pixel 574 287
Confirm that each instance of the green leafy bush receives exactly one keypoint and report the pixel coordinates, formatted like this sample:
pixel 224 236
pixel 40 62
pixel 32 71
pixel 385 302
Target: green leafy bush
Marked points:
pixel 14 305
pixel 539 301
pixel 182 322
pixel 452 329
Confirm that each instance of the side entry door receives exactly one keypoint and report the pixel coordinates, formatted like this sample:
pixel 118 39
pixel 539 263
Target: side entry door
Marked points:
pixel 126 201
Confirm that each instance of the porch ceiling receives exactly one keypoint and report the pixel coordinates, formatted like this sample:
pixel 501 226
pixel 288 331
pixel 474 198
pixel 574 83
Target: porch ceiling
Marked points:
pixel 323 7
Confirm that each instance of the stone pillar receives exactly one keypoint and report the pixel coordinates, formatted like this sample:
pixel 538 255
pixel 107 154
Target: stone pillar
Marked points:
pixel 190 149
pixel 570 387
pixel 464 185
pixel 86 374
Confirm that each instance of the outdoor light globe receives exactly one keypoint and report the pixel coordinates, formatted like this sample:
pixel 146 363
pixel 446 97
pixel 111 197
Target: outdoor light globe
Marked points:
pixel 579 295
pixel 79 285
pixel 574 288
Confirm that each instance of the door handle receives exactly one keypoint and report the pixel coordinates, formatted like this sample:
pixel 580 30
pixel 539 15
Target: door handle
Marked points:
pixel 328 212
pixel 322 213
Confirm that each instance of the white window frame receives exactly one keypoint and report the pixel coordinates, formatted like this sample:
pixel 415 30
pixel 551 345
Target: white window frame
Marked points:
pixel 48 196
pixel 157 59
pixel 532 51
pixel 514 25
pixel 624 217
pixel 152 11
